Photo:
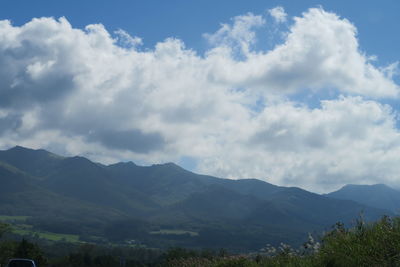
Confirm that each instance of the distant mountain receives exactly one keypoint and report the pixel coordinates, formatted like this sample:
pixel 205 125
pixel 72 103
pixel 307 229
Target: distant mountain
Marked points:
pixel 378 196
pixel 38 163
pixel 127 201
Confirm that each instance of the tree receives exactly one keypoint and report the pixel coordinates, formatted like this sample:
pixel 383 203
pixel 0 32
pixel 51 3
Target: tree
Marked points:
pixel 4 228
pixel 26 249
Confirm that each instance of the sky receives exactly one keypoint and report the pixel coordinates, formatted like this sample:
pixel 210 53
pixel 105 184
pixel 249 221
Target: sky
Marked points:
pixel 295 93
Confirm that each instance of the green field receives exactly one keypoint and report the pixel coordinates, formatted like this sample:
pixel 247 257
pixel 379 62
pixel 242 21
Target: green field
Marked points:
pixel 174 232
pixel 48 235
pixel 7 218
pixel 21 228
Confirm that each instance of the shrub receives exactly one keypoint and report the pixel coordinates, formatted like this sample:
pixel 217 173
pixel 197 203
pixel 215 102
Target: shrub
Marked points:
pixel 375 244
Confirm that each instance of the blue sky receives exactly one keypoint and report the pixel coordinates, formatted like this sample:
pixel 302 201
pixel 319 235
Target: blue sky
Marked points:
pixel 299 93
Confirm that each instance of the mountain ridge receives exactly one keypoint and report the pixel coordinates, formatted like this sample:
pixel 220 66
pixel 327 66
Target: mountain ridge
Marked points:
pixel 376 195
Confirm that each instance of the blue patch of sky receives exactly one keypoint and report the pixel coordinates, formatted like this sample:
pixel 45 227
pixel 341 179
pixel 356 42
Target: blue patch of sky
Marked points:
pixel 259 105
pixel 271 35
pixel 188 163
pixel 267 37
pixel 312 98
pixel 396 77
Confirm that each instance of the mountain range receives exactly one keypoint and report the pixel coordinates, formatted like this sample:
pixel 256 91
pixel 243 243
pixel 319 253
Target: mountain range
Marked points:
pixel 165 205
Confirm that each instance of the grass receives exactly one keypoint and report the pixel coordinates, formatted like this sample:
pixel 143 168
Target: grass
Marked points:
pixel 174 232
pixel 7 218
pixel 19 227
pixel 48 235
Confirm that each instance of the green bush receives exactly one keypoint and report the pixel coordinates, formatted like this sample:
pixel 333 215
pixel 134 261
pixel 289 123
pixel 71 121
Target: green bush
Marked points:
pixel 21 249
pixel 376 244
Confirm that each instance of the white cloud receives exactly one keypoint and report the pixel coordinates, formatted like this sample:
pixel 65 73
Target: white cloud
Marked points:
pixel 278 13
pixel 321 51
pixel 127 40
pixel 84 92
pixel 239 35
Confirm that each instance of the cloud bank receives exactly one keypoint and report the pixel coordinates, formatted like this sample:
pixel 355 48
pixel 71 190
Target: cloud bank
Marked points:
pixel 310 112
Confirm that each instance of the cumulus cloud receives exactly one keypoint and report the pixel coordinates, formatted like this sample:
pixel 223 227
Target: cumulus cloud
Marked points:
pixel 240 35
pixel 233 110
pixel 125 39
pixel 320 51
pixel 278 13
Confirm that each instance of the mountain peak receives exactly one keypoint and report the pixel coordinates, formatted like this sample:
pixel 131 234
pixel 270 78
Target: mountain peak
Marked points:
pixel 20 148
pixel 376 195
pixel 124 164
pixel 169 165
pixel 363 186
pixel 33 161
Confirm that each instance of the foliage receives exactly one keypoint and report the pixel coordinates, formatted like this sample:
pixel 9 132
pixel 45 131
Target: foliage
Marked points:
pixel 91 255
pixel 6 251
pixel 26 249
pixel 21 249
pixel 4 228
pixel 376 244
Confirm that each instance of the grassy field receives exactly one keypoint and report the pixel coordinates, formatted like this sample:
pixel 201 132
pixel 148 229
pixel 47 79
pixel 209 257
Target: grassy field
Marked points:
pixel 173 232
pixel 21 228
pixel 48 235
pixel 13 219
